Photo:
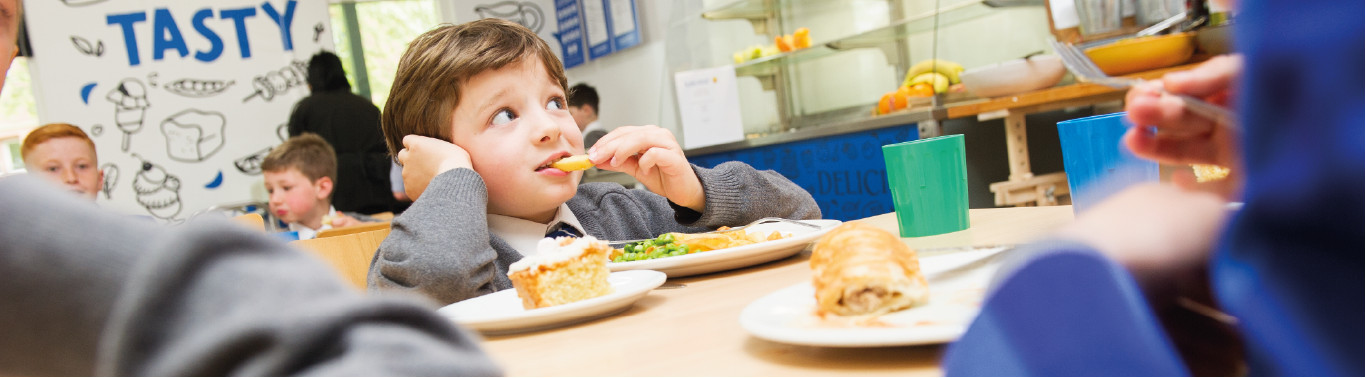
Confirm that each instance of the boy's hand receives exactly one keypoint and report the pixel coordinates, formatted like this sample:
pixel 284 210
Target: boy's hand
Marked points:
pixel 653 157
pixel 424 158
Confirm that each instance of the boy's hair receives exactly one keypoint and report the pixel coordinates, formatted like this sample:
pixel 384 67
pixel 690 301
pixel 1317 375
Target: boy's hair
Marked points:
pixel 308 153
pixel 427 85
pixel 326 74
pixel 583 94
pixel 51 131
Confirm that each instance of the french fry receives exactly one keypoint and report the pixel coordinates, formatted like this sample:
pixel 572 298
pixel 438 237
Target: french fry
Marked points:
pixel 573 163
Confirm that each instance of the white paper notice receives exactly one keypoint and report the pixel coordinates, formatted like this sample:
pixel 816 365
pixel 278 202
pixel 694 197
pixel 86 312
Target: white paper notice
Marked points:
pixel 595 22
pixel 709 105
pixel 623 17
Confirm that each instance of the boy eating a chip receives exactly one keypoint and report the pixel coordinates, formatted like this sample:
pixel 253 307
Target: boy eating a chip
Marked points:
pixel 478 118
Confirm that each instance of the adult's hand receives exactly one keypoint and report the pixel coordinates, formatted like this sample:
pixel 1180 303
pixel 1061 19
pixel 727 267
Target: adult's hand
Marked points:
pixel 1181 137
pixel 1160 232
pixel 424 158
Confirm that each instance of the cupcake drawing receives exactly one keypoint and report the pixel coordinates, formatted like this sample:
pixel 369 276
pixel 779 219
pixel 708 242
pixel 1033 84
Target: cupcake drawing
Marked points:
pixel 157 191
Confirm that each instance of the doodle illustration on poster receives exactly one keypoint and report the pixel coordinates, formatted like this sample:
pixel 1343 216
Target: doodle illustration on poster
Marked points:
pixel 84 46
pixel 81 3
pixel 198 88
pixel 251 164
pixel 111 178
pixel 130 106
pixel 318 31
pixel 217 181
pixel 282 131
pixel 157 191
pixel 273 83
pixel 194 135
pixel 526 13
pixel 97 130
pixel 85 92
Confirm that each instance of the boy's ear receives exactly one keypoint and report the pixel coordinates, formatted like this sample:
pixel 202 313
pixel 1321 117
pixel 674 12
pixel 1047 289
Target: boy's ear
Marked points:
pixel 324 186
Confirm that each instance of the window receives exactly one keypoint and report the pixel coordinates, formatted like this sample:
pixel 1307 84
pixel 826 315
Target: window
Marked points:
pixel 18 115
pixel 380 32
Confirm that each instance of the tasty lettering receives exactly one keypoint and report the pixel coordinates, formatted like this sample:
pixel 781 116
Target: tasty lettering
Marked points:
pixel 168 39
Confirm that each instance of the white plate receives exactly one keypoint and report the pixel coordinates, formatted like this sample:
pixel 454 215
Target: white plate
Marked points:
pixel 958 283
pixel 502 312
pixel 737 257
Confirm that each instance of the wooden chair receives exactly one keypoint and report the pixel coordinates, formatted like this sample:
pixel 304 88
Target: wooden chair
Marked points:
pixel 363 227
pixel 350 253
pixel 385 216
pixel 251 220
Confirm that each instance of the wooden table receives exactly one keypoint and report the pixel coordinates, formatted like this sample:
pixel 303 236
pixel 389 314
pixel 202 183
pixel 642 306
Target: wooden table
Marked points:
pixel 695 330
pixel 1023 187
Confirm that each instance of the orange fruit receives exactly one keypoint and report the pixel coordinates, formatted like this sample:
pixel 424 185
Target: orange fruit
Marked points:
pixel 921 90
pixel 884 105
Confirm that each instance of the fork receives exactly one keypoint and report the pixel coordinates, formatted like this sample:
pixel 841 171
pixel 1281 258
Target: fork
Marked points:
pixel 1087 71
pixel 755 222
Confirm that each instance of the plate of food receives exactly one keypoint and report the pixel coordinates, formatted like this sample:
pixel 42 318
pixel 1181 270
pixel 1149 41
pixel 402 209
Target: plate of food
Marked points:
pixel 679 255
pixel 566 282
pixel 875 293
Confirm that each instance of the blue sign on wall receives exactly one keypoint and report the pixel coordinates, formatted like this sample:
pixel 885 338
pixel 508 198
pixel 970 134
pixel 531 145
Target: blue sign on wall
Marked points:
pixel 569 18
pixel 846 173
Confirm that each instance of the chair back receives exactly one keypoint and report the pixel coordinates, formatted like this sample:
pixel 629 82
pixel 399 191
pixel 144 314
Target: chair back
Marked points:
pixel 350 253
pixel 363 227
pixel 251 220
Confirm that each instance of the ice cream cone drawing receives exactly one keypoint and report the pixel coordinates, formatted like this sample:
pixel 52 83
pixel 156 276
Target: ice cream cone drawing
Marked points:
pixel 130 106
pixel 157 191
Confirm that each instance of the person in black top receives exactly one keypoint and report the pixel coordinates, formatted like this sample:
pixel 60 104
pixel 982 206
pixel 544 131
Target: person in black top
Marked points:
pixel 350 123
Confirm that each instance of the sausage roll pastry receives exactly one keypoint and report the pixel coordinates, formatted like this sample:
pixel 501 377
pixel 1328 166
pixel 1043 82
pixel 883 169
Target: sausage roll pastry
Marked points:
pixel 859 269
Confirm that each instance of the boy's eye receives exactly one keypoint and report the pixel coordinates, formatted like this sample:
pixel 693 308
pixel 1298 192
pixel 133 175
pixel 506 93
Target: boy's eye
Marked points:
pixel 503 116
pixel 555 104
pixel 51 169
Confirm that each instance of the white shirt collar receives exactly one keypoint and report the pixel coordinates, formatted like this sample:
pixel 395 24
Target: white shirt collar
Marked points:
pixel 595 125
pixel 523 235
pixel 306 233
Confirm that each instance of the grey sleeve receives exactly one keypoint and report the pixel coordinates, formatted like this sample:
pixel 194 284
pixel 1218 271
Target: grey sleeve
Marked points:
pixel 737 194
pixel 440 246
pixel 130 298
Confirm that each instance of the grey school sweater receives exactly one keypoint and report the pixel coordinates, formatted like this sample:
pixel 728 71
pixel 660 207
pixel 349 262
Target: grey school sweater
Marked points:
pixel 88 292
pixel 441 246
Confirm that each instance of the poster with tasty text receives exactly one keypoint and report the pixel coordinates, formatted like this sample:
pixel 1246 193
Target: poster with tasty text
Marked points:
pixel 183 98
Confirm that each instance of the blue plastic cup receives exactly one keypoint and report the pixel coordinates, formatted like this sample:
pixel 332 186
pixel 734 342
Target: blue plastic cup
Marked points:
pixel 1097 163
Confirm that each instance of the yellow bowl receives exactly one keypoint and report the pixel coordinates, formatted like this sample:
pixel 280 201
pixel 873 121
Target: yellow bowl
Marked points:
pixel 1131 55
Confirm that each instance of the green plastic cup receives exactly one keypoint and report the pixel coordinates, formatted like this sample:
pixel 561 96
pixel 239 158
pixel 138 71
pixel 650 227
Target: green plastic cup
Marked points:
pixel 929 184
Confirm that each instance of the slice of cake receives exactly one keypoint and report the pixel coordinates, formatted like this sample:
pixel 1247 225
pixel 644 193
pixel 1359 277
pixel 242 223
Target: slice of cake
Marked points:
pixel 563 270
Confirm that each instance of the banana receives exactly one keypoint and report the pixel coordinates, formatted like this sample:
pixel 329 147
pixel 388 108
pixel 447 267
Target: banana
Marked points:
pixel 939 81
pixel 944 67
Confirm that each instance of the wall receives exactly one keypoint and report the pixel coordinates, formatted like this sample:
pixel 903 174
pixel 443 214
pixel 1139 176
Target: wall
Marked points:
pixel 634 84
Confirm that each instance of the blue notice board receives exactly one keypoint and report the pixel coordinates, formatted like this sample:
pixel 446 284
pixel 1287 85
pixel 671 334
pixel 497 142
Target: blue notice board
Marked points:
pixel 569 18
pixel 845 173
